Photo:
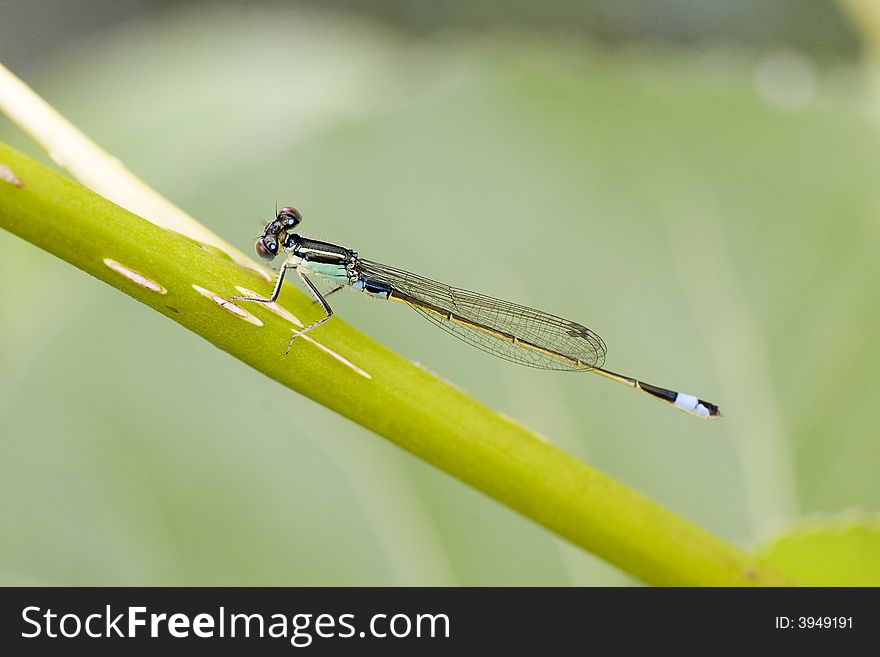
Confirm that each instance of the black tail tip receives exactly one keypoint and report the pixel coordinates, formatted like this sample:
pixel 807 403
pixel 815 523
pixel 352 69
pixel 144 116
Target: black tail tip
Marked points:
pixel 682 401
pixel 714 411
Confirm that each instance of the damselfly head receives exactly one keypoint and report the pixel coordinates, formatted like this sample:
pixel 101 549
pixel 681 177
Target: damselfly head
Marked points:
pixel 276 232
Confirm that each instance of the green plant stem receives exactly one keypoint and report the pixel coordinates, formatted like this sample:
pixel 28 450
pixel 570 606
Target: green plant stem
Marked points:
pixel 372 386
pixel 97 169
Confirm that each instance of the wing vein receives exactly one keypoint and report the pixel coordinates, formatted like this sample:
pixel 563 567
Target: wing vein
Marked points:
pixel 510 331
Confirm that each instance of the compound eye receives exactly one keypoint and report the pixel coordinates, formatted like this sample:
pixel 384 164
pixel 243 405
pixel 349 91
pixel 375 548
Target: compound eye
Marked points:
pixel 266 250
pixel 289 217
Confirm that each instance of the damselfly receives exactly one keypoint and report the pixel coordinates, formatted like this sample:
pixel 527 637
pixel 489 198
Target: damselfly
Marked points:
pixel 507 330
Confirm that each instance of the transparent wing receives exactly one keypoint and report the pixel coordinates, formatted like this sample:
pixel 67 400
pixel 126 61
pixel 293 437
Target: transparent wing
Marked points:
pixel 516 333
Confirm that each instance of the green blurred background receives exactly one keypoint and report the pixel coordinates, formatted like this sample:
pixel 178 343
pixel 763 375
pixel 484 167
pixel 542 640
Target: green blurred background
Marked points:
pixel 695 181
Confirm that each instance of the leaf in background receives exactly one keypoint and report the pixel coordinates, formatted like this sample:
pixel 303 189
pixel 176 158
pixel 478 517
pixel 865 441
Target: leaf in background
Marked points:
pixel 838 551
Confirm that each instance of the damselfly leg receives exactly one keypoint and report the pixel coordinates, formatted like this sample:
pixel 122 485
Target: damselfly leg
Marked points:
pixel 333 291
pixel 275 292
pixel 320 299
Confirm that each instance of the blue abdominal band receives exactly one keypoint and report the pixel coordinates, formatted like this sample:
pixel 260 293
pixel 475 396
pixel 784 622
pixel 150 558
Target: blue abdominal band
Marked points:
pixel 373 288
